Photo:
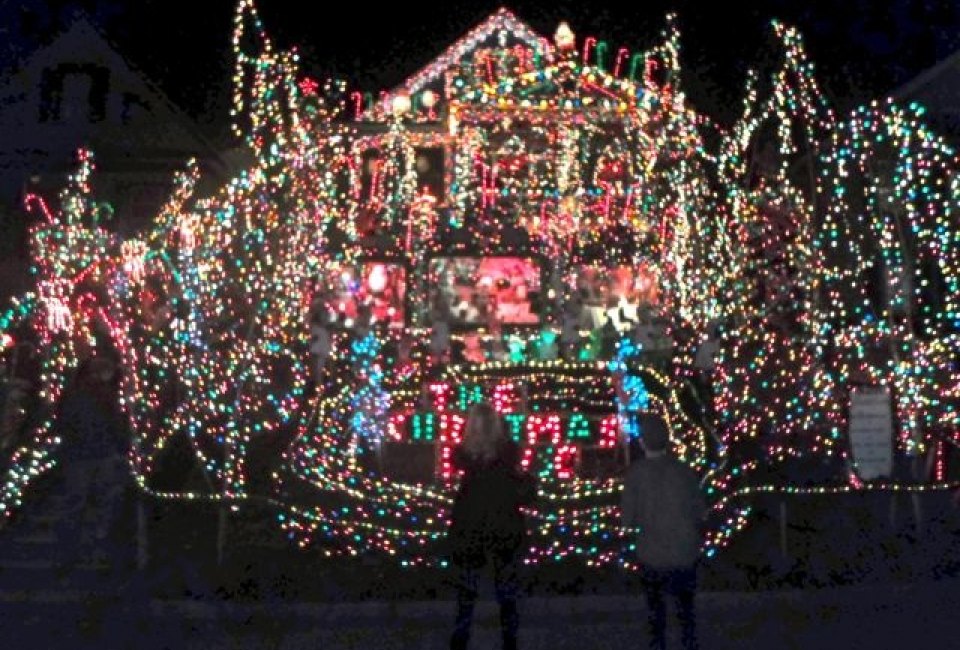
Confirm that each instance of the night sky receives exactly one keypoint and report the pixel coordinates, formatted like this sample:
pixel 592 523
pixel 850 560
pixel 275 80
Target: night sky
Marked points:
pixel 862 48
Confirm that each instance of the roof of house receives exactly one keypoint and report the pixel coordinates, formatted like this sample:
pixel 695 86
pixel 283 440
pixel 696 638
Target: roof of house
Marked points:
pixel 501 21
pixel 164 127
pixel 937 89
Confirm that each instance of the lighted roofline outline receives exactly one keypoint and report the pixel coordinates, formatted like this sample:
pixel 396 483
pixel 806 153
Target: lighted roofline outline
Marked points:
pixel 501 20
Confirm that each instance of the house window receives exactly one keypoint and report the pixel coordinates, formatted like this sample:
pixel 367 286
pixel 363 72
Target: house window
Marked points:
pixel 430 170
pixel 73 92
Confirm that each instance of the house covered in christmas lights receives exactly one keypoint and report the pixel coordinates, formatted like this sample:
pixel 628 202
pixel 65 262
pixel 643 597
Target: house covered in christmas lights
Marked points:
pixel 502 178
pixel 509 211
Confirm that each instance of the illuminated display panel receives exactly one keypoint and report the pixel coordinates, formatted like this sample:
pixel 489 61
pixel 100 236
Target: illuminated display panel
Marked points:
pixel 623 294
pixel 374 286
pixel 485 290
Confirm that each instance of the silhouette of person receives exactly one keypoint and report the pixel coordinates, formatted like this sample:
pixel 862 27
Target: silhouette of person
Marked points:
pixel 440 332
pixel 93 455
pixel 321 344
pixel 662 504
pixel 570 329
pixel 487 527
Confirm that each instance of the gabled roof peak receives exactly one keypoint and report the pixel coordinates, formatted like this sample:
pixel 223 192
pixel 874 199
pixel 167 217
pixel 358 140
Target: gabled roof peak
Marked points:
pixel 502 20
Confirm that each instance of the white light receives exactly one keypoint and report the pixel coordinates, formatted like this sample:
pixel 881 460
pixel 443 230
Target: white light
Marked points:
pixel 564 37
pixel 378 279
pixel 401 104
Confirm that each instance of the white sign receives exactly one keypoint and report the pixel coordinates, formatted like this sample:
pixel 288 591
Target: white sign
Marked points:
pixel 871 431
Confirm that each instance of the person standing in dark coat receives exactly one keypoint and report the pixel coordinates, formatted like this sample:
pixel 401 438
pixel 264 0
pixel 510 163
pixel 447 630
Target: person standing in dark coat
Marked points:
pixel 93 456
pixel 487 527
pixel 662 505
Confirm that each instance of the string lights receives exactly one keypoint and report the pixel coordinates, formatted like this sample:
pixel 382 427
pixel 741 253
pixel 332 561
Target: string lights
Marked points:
pixel 814 253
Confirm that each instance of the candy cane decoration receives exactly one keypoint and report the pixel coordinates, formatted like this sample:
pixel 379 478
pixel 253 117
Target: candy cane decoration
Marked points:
pixel 608 197
pixel 357 98
pixel 649 66
pixel 587 45
pixel 32 201
pixel 622 54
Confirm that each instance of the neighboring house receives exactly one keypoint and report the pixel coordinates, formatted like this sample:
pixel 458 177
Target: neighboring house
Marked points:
pixel 938 90
pixel 78 91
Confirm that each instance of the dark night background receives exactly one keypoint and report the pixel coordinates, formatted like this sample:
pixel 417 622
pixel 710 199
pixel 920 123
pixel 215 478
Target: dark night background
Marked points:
pixel 862 48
